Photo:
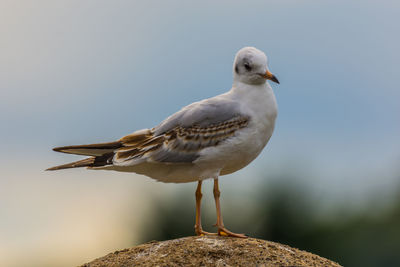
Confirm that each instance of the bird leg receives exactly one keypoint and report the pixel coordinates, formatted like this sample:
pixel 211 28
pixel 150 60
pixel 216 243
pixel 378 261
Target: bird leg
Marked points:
pixel 220 224
pixel 197 227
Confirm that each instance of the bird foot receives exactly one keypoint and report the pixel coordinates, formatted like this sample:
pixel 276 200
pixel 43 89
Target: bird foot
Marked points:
pixel 222 231
pixel 200 232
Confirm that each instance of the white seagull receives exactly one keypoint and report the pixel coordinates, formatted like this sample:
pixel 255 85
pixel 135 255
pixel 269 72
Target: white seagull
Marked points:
pixel 206 139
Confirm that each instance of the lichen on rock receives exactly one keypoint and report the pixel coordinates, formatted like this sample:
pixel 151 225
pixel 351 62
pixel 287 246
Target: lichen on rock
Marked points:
pixel 211 251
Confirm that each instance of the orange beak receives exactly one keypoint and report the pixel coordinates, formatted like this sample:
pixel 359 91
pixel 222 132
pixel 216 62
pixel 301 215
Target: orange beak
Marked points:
pixel 269 76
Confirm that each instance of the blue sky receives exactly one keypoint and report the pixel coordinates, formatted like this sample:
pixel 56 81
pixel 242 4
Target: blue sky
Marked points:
pixel 88 71
pixel 74 72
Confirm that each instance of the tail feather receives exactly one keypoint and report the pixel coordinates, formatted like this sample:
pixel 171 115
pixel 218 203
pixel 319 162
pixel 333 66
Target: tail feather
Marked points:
pixel 90 150
pixel 101 154
pixel 99 161
pixel 80 163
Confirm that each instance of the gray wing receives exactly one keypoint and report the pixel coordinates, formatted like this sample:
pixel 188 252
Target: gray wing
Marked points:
pixel 181 137
pixel 203 113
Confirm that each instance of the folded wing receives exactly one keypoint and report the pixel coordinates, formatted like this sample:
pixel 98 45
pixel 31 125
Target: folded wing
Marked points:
pixel 178 139
pixel 180 144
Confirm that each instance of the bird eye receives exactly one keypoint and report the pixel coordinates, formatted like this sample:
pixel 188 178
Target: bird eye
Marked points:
pixel 247 66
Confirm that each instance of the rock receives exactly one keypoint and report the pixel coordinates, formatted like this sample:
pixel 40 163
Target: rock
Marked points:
pixel 211 251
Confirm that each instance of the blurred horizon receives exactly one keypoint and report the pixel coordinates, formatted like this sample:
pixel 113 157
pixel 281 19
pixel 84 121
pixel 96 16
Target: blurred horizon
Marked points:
pixel 77 72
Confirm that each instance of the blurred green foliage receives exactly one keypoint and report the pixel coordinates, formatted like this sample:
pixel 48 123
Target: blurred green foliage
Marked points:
pixel 287 214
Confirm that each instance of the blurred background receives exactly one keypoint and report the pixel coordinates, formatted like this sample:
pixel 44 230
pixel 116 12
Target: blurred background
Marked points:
pixel 76 72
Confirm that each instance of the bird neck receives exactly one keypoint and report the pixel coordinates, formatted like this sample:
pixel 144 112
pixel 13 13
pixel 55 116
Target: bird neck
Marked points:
pixel 259 97
pixel 245 88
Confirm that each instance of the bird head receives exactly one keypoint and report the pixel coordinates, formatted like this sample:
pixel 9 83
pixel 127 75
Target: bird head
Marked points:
pixel 251 67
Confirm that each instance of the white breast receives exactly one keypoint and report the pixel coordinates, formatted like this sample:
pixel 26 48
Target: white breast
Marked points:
pixel 259 103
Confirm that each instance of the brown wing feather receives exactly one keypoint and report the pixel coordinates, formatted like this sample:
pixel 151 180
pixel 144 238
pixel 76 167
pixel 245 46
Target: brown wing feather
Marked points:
pixel 180 144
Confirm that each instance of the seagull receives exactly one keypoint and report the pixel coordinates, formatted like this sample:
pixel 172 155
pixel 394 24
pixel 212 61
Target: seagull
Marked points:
pixel 204 140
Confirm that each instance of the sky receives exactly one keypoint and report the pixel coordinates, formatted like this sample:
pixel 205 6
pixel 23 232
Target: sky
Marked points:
pixel 75 72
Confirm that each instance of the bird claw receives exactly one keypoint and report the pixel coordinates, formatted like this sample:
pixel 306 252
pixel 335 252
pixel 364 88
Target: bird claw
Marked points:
pixel 222 231
pixel 200 232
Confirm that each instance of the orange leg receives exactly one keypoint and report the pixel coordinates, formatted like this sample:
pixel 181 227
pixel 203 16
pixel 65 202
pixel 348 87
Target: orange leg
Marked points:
pixel 197 227
pixel 220 224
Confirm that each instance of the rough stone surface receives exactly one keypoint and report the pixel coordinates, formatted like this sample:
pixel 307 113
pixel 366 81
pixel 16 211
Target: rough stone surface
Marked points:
pixel 211 251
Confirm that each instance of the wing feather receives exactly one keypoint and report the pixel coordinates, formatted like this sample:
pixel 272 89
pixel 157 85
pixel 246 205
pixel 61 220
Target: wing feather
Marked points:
pixel 181 144
pixel 178 139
